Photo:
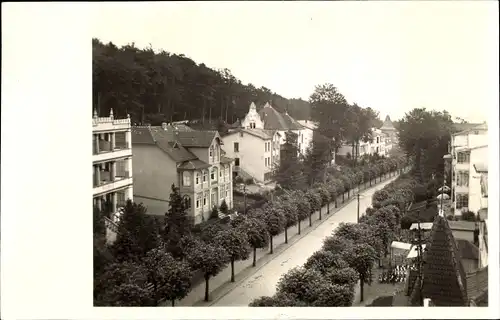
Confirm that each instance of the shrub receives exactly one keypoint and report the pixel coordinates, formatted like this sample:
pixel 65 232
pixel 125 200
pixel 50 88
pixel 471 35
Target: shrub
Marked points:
pixel 214 214
pixel 468 216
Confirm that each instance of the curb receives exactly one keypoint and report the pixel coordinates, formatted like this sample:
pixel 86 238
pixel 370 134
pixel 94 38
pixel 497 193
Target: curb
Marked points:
pixel 229 286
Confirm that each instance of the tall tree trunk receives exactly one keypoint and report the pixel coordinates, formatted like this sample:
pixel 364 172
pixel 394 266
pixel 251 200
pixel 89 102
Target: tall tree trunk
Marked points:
pixel 271 244
pixel 203 110
pixel 299 225
pixel 173 302
pixel 286 234
pixel 310 218
pixel 320 217
pixel 232 269
pixel 336 204
pixel 361 289
pixel 254 257
pixel 207 279
pixel 328 207
pixel 343 196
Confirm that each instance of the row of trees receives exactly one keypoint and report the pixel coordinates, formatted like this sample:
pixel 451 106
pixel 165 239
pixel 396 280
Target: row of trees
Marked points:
pixel 329 276
pixel 153 261
pixel 157 86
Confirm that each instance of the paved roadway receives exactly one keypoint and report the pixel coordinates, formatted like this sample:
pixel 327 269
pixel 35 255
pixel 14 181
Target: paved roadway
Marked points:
pixel 264 281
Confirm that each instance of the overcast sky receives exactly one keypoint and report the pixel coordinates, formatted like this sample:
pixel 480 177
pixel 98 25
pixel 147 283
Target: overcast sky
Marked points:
pixel 391 56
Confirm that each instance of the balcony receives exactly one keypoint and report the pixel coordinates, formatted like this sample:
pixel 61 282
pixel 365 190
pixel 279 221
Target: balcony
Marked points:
pixel 106 185
pixel 103 156
pixel 462 189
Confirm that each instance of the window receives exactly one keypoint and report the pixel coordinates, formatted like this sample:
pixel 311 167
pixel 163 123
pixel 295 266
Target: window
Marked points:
pixel 237 161
pixel 211 151
pixel 205 199
pixel 265 161
pixel 186 178
pixel 205 173
pixel 213 173
pixel 463 178
pixel 252 125
pixel 222 193
pixel 187 201
pixel 378 139
pixel 197 178
pixel 377 150
pixel 227 189
pixel 198 199
pixel 463 157
pixel 462 200
pixel 220 172
pixel 241 133
pixel 236 147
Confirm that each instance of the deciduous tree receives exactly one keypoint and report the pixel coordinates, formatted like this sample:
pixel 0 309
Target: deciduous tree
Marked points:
pixel 236 244
pixel 209 258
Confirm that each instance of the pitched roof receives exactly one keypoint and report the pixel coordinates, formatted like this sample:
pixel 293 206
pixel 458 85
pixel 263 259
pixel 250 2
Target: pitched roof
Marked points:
pixel 467 250
pixel 273 120
pixel 443 272
pixel 387 125
pixel 163 140
pixel 196 139
pixel 259 133
pixel 193 165
pixel 477 285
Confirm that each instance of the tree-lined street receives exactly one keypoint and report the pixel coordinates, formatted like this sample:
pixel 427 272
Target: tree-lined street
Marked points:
pixel 263 282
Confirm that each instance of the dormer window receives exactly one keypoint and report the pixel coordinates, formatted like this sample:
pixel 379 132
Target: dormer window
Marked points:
pixel 252 125
pixel 211 151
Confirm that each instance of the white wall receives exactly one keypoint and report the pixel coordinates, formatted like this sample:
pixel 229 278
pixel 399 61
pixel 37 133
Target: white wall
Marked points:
pixel 479 155
pixel 252 117
pixel 251 153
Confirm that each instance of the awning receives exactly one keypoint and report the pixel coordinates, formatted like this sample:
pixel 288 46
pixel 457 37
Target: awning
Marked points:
pixel 400 245
pixel 414 252
pixel 423 226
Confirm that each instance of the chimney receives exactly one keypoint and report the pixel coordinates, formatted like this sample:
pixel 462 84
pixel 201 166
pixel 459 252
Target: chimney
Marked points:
pixel 164 125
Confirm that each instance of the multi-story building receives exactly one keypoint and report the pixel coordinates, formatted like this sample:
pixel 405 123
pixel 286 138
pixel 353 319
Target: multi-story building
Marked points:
pixel 375 145
pixel 191 160
pixel 468 148
pixel 112 164
pixel 311 129
pixel 270 119
pixel 389 129
pixel 256 152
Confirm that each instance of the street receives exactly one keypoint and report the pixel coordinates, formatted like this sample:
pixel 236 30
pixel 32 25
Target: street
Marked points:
pixel 264 281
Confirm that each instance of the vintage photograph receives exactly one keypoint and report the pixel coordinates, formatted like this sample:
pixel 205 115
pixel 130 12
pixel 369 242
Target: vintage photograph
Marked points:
pixel 284 154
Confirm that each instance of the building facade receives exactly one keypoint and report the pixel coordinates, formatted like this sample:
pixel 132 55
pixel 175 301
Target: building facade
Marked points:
pixel 112 164
pixel 467 149
pixel 191 160
pixel 270 119
pixel 389 129
pixel 375 145
pixel 256 153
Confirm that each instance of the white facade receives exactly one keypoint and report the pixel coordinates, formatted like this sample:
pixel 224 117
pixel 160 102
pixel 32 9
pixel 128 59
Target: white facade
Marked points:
pixel 468 148
pixel 306 138
pixel 376 145
pixel 253 120
pixel 255 151
pixel 111 164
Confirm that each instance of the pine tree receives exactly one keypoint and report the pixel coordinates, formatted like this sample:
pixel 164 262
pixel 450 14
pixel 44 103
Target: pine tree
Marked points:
pixel 289 175
pixel 177 222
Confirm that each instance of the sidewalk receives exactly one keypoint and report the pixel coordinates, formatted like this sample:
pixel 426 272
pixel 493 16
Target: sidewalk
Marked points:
pixel 220 284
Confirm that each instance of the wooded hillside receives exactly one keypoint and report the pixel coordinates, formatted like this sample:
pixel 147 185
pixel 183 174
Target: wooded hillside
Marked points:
pixel 160 86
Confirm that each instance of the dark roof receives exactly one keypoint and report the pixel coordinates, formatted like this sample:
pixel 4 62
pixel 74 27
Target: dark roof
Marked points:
pixel 196 139
pixel 193 165
pixel 443 272
pixel 162 139
pixel 477 285
pixel 467 250
pixel 462 225
pixel 427 212
pixel 273 120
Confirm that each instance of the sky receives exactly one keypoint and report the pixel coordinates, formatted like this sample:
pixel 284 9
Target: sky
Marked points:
pixel 390 56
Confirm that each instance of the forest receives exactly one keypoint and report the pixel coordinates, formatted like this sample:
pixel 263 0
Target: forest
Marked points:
pixel 155 86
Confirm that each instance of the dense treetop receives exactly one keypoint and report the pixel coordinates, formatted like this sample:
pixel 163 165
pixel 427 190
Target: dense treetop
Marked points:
pixel 154 86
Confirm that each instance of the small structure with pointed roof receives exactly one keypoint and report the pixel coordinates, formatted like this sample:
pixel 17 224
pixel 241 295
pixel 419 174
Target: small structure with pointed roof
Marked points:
pixel 389 129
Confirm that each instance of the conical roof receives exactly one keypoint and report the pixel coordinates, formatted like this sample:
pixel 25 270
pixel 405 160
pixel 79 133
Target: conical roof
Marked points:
pixel 387 125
